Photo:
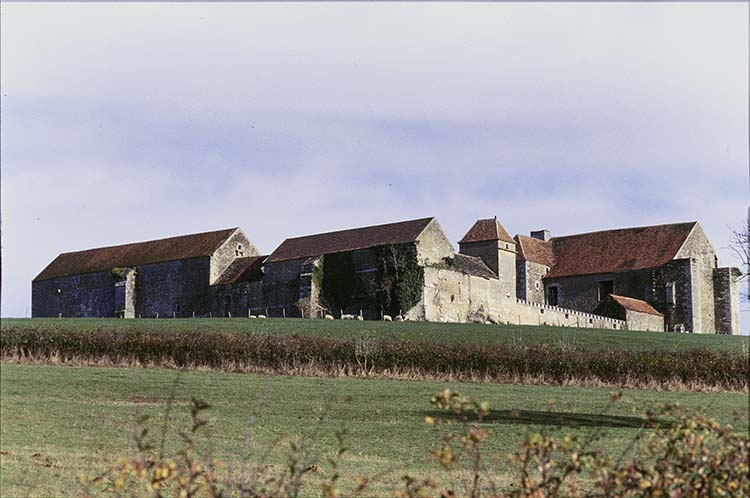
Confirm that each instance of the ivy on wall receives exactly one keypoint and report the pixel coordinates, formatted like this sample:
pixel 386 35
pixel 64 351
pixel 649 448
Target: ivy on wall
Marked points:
pixel 400 279
pixel 397 285
pixel 339 280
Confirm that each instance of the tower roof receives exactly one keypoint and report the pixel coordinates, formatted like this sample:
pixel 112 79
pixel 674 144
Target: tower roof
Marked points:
pixel 486 230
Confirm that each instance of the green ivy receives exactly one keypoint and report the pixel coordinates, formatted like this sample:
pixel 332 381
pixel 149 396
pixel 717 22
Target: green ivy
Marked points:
pixel 400 279
pixel 339 280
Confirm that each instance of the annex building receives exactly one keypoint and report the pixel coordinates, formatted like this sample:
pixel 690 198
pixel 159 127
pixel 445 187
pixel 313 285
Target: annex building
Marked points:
pixel 658 278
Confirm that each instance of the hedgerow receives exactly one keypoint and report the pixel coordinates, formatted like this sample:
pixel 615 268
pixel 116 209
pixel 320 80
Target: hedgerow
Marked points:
pixel 502 362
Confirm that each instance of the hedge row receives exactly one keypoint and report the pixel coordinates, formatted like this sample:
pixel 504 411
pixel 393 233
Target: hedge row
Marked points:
pixel 232 351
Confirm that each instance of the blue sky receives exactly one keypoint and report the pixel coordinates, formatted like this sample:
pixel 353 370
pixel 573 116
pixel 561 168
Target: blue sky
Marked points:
pixel 130 122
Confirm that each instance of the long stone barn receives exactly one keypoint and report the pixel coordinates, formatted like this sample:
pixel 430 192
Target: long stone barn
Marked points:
pixel 657 278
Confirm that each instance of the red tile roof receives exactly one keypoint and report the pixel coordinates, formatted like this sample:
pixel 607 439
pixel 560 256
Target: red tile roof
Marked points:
pixel 472 265
pixel 349 240
pixel 243 269
pixel 619 250
pixel 632 304
pixel 483 230
pixel 535 250
pixel 139 253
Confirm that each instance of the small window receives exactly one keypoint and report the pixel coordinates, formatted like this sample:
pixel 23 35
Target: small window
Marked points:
pixel 239 251
pixel 551 295
pixel 536 285
pixel 606 287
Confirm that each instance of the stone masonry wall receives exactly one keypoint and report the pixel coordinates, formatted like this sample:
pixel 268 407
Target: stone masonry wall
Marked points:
pixel 174 288
pixel 699 250
pixel 457 297
pixel 87 295
pixel 726 294
pixel 235 246
pixel 432 245
pixel 530 283
pixel 644 321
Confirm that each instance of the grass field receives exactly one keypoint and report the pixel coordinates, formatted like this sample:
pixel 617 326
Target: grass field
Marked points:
pixel 58 422
pixel 478 333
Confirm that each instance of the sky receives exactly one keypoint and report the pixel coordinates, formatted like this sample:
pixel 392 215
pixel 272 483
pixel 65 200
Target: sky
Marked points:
pixel 122 123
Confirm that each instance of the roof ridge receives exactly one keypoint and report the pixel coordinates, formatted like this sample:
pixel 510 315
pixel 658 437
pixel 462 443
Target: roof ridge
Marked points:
pixel 360 228
pixel 151 240
pixel 619 230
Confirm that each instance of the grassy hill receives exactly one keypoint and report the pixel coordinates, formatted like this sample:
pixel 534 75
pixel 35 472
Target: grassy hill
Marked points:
pixel 428 331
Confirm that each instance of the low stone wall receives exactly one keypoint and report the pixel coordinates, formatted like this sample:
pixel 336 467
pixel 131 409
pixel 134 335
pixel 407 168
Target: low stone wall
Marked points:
pixel 451 296
pixel 525 313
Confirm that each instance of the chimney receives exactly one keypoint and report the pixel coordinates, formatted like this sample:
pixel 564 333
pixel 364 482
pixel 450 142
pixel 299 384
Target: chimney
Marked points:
pixel 541 235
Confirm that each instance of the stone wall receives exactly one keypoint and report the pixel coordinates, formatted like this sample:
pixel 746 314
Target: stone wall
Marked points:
pixel 727 301
pixel 241 299
pixel 235 246
pixel 644 321
pixel 125 294
pixel 677 274
pixel 450 296
pixel 433 245
pixel 530 286
pixel 87 295
pixel 174 288
pixel 699 250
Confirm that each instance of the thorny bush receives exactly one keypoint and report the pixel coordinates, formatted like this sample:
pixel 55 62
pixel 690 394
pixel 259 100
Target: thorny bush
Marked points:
pixel 691 456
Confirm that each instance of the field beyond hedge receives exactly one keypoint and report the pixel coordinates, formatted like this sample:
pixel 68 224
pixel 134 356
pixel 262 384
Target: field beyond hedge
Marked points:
pixel 59 422
pixel 413 331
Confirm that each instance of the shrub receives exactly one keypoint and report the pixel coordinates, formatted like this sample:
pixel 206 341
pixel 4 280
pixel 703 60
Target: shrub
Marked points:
pixel 689 456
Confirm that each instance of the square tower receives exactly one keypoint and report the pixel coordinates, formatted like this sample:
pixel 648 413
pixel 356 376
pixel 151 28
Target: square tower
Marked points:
pixel 488 240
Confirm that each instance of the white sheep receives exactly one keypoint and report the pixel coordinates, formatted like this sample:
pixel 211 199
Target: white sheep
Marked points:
pixel 329 317
pixel 387 318
pixel 253 316
pixel 261 316
pixel 360 318
pixel 399 318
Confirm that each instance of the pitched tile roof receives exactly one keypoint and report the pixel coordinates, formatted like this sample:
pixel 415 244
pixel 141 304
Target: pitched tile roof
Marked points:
pixel 483 230
pixel 473 265
pixel 349 240
pixel 139 253
pixel 612 251
pixel 535 250
pixel 632 304
pixel 243 269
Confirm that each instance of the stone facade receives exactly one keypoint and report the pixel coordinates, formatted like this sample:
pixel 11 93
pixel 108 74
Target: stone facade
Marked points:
pixel 493 278
pixel 726 295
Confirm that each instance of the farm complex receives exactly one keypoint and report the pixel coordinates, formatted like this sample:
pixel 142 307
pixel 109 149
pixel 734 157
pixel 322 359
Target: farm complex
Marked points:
pixel 656 278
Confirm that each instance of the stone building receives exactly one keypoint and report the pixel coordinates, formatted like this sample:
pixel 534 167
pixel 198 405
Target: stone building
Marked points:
pixel 291 289
pixel 663 277
pixel 165 278
pixel 638 314
pixel 672 267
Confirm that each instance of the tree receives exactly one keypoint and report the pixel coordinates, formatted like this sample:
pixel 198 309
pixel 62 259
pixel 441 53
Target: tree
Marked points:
pixel 739 244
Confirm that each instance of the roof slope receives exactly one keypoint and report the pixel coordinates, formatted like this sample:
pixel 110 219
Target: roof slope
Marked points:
pixel 484 230
pixel 535 250
pixel 612 251
pixel 349 240
pixel 139 253
pixel 632 304
pixel 242 269
pixel 472 265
